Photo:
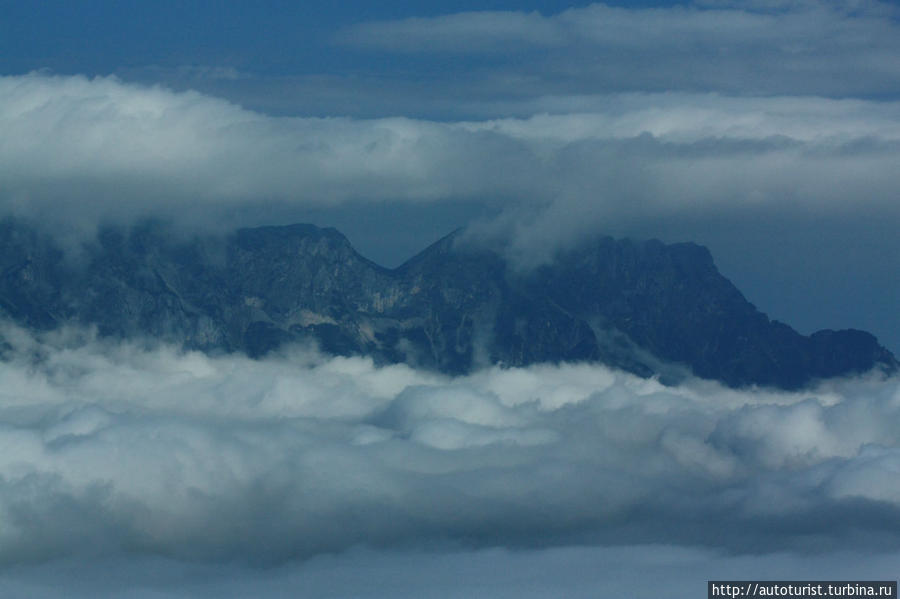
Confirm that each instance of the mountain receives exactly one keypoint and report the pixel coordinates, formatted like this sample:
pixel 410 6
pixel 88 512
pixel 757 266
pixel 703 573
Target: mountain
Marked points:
pixel 646 307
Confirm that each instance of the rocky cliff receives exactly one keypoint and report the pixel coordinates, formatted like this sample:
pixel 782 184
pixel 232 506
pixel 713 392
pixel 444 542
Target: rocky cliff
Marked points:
pixel 646 307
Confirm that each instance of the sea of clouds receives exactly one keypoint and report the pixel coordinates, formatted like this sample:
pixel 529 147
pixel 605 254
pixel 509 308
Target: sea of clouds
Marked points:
pixel 168 464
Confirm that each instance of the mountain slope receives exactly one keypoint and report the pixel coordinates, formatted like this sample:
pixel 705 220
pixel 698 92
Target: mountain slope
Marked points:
pixel 645 307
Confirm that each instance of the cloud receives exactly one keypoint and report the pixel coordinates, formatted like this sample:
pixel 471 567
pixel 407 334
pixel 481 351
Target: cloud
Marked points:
pixel 801 47
pixel 114 148
pixel 99 148
pixel 118 449
pixel 462 32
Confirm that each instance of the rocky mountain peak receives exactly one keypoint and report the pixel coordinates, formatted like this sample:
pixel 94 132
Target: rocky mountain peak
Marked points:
pixel 647 307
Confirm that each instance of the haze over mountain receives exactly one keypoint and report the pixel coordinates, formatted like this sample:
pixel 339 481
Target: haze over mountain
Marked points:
pixel 459 305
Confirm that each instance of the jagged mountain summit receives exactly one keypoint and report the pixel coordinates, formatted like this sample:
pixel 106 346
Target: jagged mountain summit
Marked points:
pixel 646 307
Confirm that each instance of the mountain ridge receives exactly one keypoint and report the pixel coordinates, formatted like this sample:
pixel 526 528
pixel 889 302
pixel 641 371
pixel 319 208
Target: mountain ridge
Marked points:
pixel 642 306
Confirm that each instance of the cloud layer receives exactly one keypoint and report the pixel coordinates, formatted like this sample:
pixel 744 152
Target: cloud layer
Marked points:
pixel 797 47
pixel 117 449
pixel 100 148
pixel 107 149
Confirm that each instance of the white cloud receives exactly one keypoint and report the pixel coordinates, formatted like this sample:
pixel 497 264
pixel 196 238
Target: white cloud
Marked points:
pixel 686 118
pixel 93 149
pixel 110 450
pixel 101 147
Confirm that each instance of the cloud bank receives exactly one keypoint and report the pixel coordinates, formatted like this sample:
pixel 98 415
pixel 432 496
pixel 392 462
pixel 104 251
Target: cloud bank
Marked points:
pixel 116 449
pixel 103 149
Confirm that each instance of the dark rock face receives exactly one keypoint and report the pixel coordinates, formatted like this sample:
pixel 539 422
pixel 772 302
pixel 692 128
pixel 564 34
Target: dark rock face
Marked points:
pixel 455 307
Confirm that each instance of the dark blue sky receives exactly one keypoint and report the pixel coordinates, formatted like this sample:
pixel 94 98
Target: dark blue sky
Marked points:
pixel 269 36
